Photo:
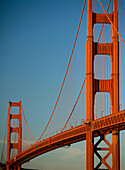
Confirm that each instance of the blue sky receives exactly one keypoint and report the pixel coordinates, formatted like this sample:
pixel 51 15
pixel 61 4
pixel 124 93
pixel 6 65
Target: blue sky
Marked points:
pixel 36 39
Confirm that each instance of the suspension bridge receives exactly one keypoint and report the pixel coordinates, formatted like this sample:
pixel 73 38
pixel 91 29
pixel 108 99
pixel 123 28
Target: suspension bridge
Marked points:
pixel 91 101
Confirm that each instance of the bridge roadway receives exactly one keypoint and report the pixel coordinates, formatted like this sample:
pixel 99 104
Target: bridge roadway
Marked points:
pixel 104 125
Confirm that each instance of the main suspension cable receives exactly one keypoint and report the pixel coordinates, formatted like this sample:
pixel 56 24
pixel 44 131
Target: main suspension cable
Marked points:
pixel 103 24
pixel 74 106
pixel 28 126
pixel 111 22
pixel 65 73
pixel 18 133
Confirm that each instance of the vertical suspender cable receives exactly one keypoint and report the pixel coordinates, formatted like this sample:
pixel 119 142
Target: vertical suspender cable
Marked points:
pixel 76 78
pixel 107 67
pixel 120 59
pixel 65 74
pixel 103 24
pixel 123 58
pixel 102 73
pixel 104 70
pixel 83 64
pixel 27 125
pixel 74 105
pixel 111 22
pixel 123 79
pixel 4 142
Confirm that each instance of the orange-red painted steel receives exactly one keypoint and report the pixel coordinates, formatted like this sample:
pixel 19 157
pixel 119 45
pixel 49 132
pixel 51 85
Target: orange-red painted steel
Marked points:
pixel 10 129
pixel 115 78
pixel 111 86
pixel 91 128
pixel 103 126
pixel 89 87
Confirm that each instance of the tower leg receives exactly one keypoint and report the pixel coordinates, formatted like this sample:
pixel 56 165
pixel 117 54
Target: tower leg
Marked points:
pixel 7 167
pixel 89 87
pixel 89 151
pixel 10 129
pixel 115 151
pixel 115 77
pixel 19 167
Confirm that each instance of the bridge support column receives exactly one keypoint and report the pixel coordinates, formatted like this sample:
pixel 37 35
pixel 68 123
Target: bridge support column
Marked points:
pixel 115 150
pixel 17 168
pixel 7 167
pixel 89 87
pixel 89 151
pixel 11 129
pixel 115 78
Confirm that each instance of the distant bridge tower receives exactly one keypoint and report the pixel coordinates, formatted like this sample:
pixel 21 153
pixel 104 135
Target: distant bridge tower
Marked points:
pixel 11 129
pixel 93 85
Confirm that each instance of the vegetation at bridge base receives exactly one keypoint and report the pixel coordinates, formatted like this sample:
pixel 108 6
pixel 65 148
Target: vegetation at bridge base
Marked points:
pixel 27 169
pixel 3 167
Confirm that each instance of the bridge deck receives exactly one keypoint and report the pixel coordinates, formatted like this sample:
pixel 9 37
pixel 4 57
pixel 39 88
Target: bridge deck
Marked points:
pixel 76 134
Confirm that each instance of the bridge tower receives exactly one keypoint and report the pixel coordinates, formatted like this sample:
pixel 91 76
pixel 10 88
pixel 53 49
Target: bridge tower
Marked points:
pixel 95 85
pixel 11 129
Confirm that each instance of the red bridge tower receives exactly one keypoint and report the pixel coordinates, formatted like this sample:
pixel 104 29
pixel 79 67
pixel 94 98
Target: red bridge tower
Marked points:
pixel 11 129
pixel 94 85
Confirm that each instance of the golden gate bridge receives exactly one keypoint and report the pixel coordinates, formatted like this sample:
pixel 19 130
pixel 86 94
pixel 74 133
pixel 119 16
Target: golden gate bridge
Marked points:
pixel 91 101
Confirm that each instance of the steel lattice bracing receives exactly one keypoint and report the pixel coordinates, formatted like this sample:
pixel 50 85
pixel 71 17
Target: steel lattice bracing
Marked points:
pixel 93 85
pixel 12 145
pixel 81 84
pixel 104 125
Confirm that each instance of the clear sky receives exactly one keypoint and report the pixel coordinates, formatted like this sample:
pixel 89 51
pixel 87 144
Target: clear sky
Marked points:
pixel 36 39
